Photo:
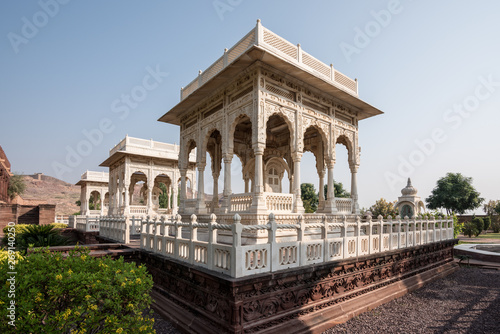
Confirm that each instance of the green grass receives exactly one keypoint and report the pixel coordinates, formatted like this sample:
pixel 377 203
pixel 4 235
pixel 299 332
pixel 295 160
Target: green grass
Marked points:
pixel 470 242
pixel 490 236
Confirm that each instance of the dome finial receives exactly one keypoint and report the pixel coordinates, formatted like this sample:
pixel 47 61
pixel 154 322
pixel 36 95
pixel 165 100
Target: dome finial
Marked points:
pixel 409 190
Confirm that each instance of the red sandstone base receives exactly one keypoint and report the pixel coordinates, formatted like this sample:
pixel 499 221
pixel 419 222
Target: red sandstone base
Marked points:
pixel 305 300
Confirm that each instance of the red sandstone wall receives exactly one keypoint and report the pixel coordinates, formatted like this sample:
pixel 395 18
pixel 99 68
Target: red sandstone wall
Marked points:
pixel 4 176
pixel 26 214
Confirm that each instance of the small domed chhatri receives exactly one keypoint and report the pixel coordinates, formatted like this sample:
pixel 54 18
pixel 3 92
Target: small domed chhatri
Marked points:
pixel 409 190
pixel 409 204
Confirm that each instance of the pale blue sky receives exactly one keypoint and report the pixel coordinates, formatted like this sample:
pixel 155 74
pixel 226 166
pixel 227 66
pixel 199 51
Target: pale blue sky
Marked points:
pixel 423 65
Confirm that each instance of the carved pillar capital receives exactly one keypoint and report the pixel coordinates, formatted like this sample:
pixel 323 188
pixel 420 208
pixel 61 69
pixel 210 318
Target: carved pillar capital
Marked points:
pixel 227 157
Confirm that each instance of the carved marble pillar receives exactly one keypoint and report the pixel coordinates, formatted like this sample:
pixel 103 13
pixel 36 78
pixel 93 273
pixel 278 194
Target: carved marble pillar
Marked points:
pixel 115 200
pixel 120 192
pixel 259 201
pixel 150 196
pixel 126 202
pixel 228 158
pixel 183 194
pixel 354 189
pixel 174 200
pixel 200 204
pixel 101 201
pixel 321 175
pixel 247 185
pixel 321 205
pixel 86 203
pixel 298 206
pixel 330 205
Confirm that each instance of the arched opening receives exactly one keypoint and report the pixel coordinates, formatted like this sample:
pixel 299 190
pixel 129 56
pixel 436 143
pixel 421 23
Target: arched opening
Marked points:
pixel 162 193
pixel 277 148
pixel 342 174
pixel 186 193
pixel 106 203
pixel 95 200
pixel 406 211
pixel 213 168
pixel 138 190
pixel 238 179
pixel 242 168
pixel 274 171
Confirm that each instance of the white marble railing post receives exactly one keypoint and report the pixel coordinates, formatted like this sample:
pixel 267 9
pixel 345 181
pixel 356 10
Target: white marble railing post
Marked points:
pixel 407 230
pixel 345 243
pixel 212 237
pixel 271 240
pixel 381 235
pixel 324 236
pixel 236 251
pixel 193 236
pixel 178 235
pixel 399 230
pixel 433 223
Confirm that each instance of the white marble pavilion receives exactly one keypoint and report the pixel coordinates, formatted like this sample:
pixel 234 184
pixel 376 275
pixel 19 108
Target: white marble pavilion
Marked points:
pixel 266 101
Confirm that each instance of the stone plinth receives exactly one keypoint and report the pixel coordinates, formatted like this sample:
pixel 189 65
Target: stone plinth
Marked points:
pixel 309 299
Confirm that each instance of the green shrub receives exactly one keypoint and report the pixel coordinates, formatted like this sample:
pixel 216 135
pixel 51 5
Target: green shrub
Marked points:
pixel 77 294
pixel 479 223
pixel 470 229
pixel 15 256
pixel 457 227
pixel 37 236
pixel 487 223
pixel 495 226
pixel 59 225
pixel 18 228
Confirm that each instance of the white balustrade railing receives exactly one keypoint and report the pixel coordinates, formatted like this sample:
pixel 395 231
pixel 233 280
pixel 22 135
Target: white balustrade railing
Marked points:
pixel 62 219
pixel 357 238
pixel 344 205
pixel 277 202
pixel 116 228
pixel 72 221
pixel 241 202
pixel 266 39
pixel 86 223
pixel 138 210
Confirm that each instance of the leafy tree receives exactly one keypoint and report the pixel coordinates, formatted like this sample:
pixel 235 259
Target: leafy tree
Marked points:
pixel 79 203
pixel 479 223
pixel 339 190
pixel 309 197
pixel 455 193
pixel 17 186
pixel 384 208
pixel 77 293
pixel 470 229
pixel 495 226
pixel 487 223
pixel 489 208
pixel 497 208
pixel 163 198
